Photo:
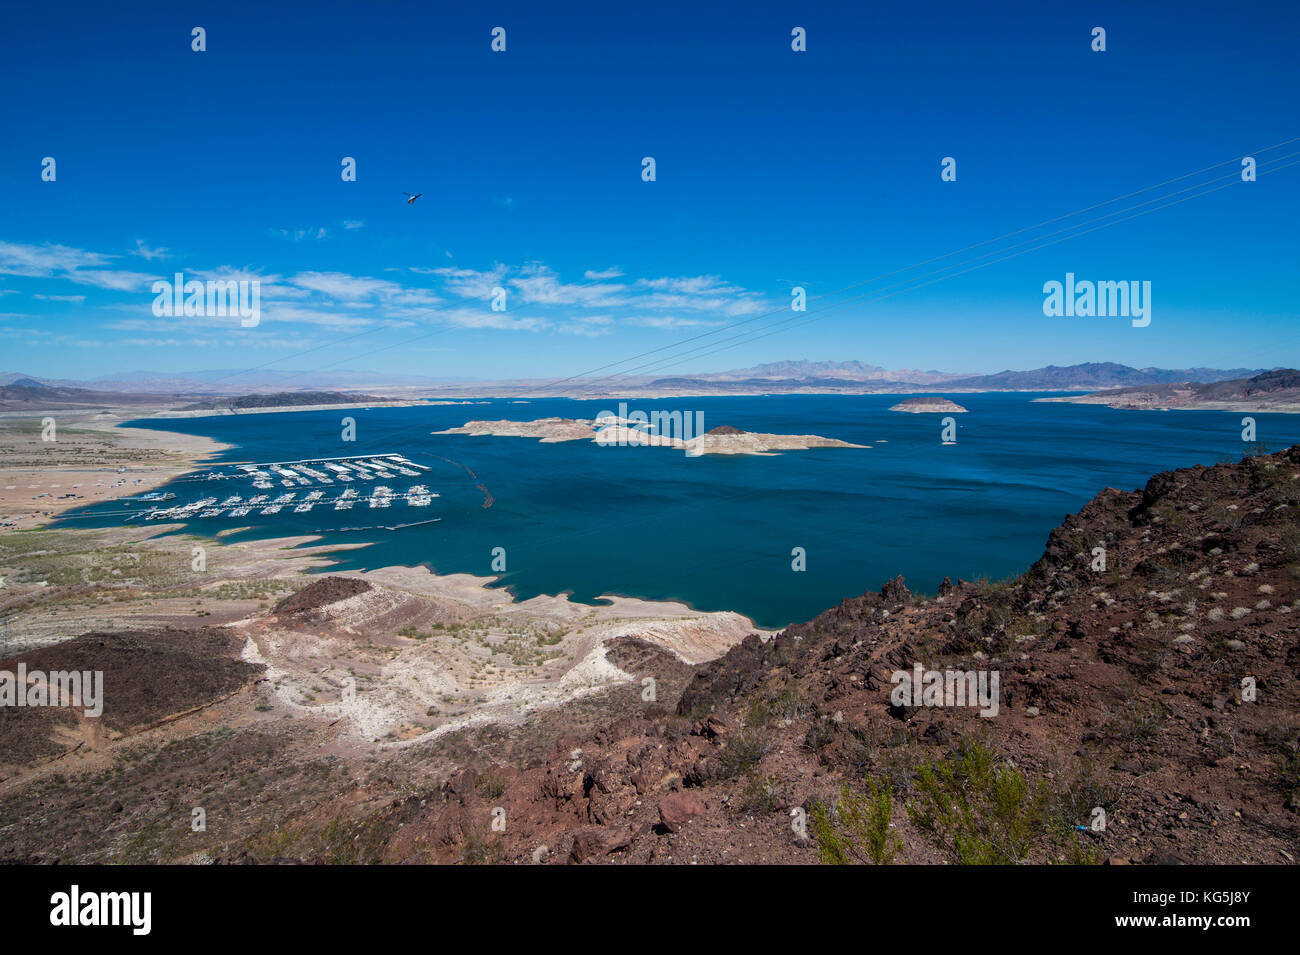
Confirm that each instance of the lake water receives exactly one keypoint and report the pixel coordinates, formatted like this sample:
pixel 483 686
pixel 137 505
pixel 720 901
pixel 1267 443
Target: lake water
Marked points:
pixel 717 532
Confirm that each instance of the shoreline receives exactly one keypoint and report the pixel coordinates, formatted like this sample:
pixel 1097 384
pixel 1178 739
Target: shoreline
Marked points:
pixel 196 450
pixel 94 458
pixel 1116 403
pixel 1066 396
pixel 304 557
pixel 282 409
pixel 603 601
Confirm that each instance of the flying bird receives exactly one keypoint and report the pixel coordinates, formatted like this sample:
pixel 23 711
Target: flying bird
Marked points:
pixel 411 198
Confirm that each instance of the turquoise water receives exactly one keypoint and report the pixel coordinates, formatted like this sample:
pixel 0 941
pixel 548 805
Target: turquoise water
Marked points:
pixel 717 532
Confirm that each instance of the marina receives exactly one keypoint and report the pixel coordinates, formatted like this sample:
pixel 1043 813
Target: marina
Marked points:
pixel 320 476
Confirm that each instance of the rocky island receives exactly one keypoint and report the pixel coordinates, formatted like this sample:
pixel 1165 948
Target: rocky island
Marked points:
pixel 724 439
pixel 929 406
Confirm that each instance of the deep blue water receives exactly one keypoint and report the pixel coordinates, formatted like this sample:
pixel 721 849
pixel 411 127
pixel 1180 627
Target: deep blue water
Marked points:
pixel 717 532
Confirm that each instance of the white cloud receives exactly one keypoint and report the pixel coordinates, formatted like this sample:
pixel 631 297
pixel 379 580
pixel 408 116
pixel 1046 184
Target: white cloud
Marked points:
pixel 116 281
pixel 587 325
pixel 298 235
pixel 670 321
pixel 65 262
pixel 486 318
pixel 471 283
pixel 313 315
pixel 331 299
pixel 147 253
pixel 44 261
pixel 344 286
pixel 540 285
pixel 692 285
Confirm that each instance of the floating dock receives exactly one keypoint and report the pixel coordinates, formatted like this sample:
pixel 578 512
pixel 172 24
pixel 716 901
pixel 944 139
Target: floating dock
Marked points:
pixel 320 475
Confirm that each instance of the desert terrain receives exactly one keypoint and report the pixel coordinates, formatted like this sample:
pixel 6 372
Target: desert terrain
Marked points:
pixel 252 645
pixel 401 716
pixel 88 459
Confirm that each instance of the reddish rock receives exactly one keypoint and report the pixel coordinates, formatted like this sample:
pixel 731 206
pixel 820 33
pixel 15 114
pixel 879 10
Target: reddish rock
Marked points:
pixel 677 809
pixel 593 843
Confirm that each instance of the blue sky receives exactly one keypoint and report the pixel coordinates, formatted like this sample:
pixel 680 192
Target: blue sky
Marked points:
pixel 774 168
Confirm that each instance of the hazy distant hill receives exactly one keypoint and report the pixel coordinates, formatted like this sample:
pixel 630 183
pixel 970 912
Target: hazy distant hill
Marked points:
pixel 283 399
pixel 1277 390
pixel 846 370
pixel 21 393
pixel 1084 377
pixel 237 381
pixel 782 377
pixel 765 386
pixel 1091 375
pixel 14 378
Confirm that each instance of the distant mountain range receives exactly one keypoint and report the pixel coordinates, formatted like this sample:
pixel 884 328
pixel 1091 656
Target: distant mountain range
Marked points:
pixel 20 393
pixel 1092 375
pixel 1277 390
pixel 820 370
pixel 282 399
pixel 857 378
pixel 845 377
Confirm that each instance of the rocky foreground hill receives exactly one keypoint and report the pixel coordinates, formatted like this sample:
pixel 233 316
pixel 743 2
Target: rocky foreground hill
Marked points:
pixel 1121 688
pixel 1148 711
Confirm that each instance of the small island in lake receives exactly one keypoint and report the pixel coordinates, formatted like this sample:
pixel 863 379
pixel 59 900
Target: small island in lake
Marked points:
pixel 929 406
pixel 611 430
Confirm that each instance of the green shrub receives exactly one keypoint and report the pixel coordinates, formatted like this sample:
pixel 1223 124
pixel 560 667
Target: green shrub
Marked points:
pixel 759 794
pixel 491 785
pixel 744 750
pixel 978 812
pixel 857 828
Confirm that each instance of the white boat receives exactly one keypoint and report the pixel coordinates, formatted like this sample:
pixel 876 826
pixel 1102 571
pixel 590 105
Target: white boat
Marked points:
pixel 419 496
pixel 189 510
pixel 381 496
pixel 346 500
pixel 318 476
pixel 308 502
pixel 409 463
pixel 231 501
